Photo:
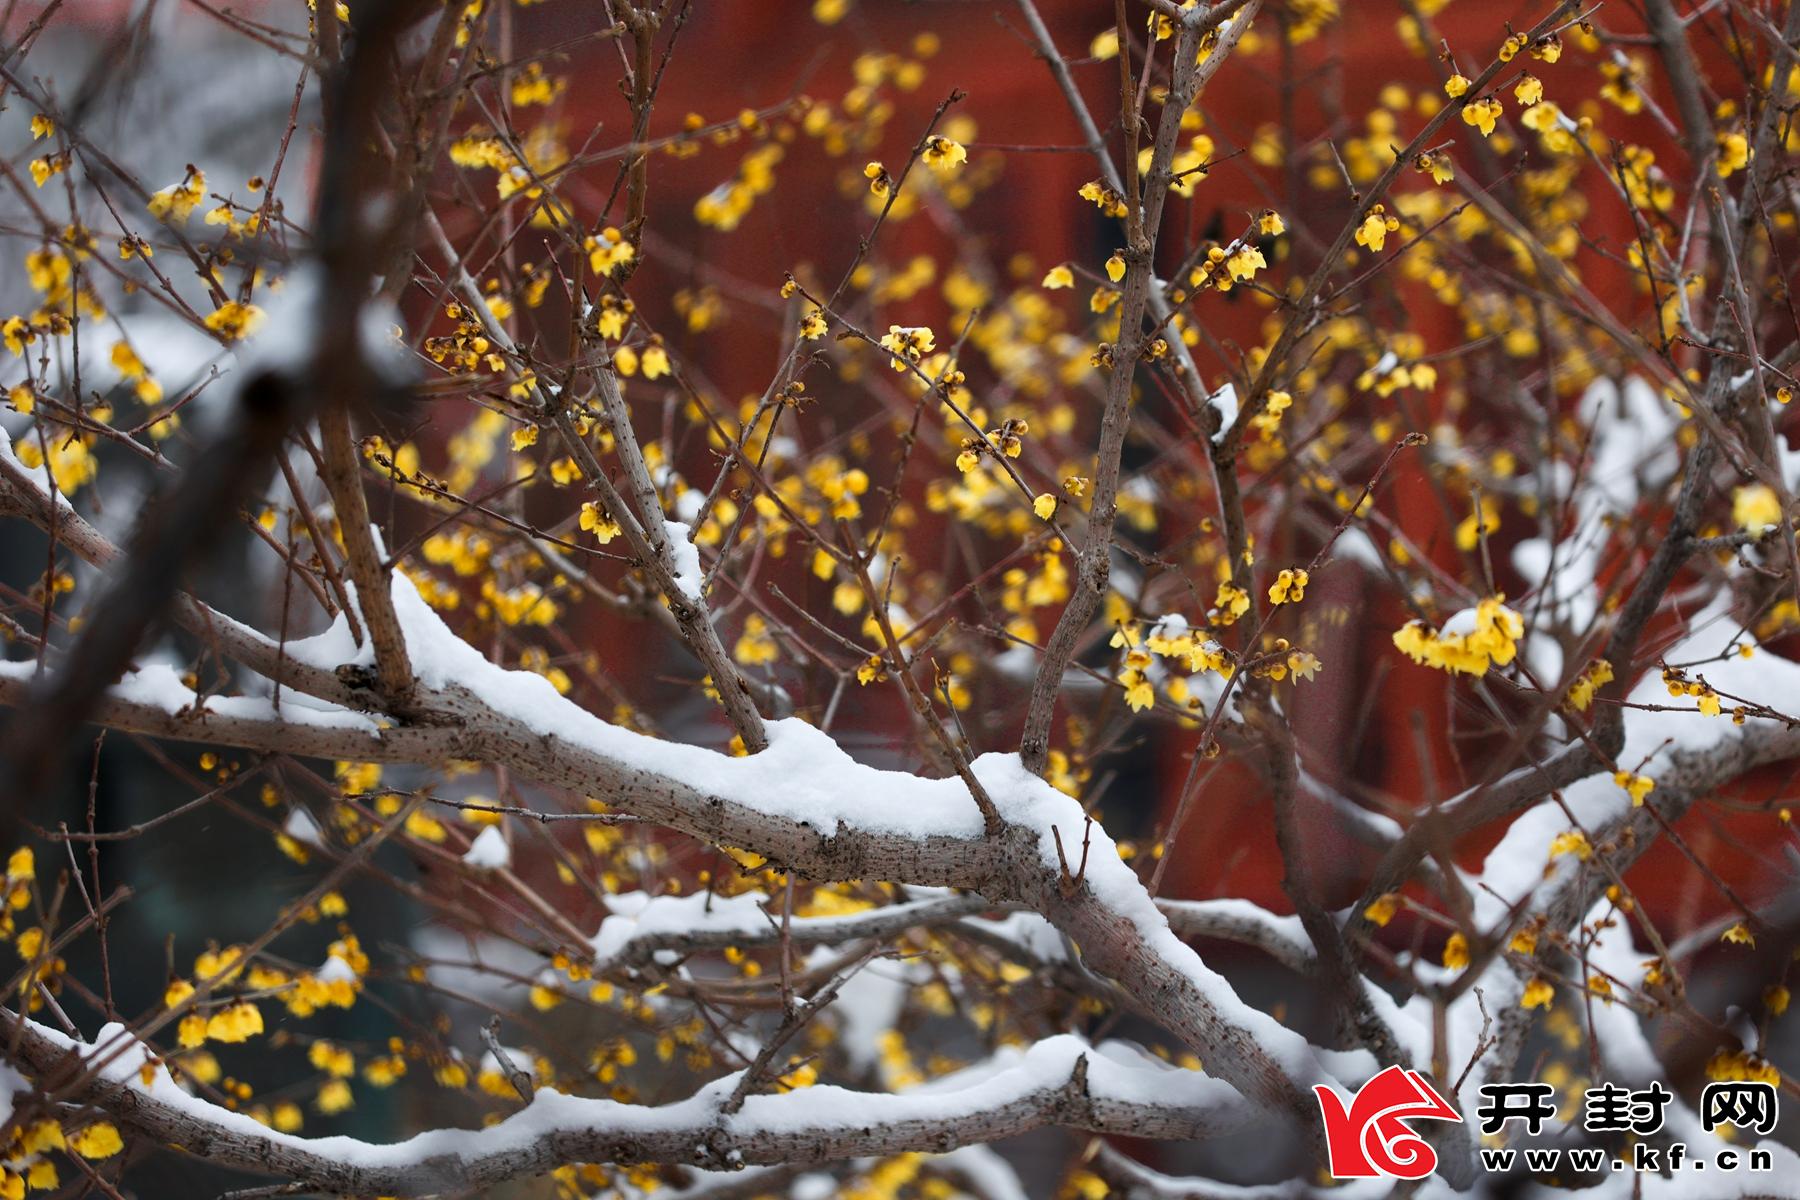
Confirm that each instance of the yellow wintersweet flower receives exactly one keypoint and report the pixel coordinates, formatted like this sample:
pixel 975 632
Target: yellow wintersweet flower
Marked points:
pixel 532 86
pixel 425 827
pixel 907 343
pixel 1537 994
pixel 1456 85
pixel 17 333
pixel 1232 601
pixel 334 1060
pixel 1469 643
pixel 71 464
pixel 238 1023
pixel 1115 267
pixel 944 154
pixel 41 126
pixel 1270 224
pixel 1381 910
pixel 1456 952
pixel 1058 277
pixel 1755 507
pixel 1105 198
pixel 1246 262
pixel 177 993
pixel 656 361
pixel 384 1072
pixel 1738 935
pixel 1741 1066
pixel 179 200
pixel 1438 166
pixel 1482 113
pixel 1289 586
pixel 1542 117
pixel 41 1136
pixel 1734 153
pixel 1571 841
pixel 802 1076
pixel 756 646
pixel 1597 676
pixel 132 370
pixel 1374 229
pixel 598 522
pixel 334 1097
pixel 1044 506
pixel 1139 695
pixel 99 1140
pixel 1267 423
pixel 1529 91
pixel 235 321
pixel 609 251
pixel 812 325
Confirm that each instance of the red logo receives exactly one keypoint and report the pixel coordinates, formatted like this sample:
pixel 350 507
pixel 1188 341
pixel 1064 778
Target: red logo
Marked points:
pixel 1372 1138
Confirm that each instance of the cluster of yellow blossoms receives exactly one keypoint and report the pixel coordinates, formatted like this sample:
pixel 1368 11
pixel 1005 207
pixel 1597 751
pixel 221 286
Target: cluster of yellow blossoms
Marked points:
pixel 1469 643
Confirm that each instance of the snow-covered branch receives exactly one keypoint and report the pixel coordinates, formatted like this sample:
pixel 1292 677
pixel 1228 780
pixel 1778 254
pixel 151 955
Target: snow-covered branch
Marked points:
pixel 1063 1081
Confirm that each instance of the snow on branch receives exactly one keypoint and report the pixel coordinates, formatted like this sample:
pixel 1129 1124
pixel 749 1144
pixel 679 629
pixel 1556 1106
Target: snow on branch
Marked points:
pixel 1111 1088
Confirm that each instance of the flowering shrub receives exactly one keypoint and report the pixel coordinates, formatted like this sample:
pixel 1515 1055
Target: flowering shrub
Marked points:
pixel 744 625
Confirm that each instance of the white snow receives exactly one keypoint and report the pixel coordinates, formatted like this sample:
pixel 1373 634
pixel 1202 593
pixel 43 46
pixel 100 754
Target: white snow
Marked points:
pixel 489 851
pixel 688 575
pixel 336 970
pixel 302 828
pixel 1355 545
pixel 638 916
pixel 156 685
pixel 1116 1072
pixel 1226 401
pixel 11 1084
